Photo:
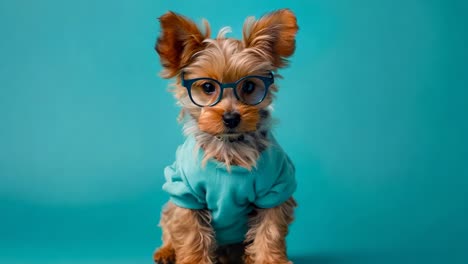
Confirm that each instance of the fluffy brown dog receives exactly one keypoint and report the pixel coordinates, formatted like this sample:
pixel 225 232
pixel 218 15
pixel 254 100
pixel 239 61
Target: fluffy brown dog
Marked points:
pixel 231 192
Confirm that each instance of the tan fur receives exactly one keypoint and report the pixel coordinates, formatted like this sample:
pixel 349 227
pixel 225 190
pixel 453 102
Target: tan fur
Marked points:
pixel 267 234
pixel 250 118
pixel 180 39
pixel 188 234
pixel 267 42
pixel 211 120
pixel 272 36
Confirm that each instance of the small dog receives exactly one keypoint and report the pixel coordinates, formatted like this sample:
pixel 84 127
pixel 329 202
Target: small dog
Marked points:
pixel 231 185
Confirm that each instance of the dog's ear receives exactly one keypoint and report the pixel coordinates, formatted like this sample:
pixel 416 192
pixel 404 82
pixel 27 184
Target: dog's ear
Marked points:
pixel 179 39
pixel 273 36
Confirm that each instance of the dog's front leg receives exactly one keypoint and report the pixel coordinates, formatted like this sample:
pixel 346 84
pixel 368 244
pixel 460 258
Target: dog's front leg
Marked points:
pixel 190 233
pixel 266 237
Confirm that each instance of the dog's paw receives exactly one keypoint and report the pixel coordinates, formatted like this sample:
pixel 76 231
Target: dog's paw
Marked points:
pixel 164 256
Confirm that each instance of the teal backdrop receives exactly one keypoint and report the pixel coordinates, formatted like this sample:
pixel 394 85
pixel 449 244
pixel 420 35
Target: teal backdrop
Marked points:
pixel 373 111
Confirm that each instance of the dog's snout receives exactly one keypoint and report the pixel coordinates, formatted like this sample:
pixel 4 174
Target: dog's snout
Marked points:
pixel 231 119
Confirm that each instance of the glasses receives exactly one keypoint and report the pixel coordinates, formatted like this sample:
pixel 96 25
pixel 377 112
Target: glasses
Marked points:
pixel 250 90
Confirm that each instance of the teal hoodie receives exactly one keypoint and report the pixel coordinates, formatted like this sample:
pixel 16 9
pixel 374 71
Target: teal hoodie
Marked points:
pixel 229 196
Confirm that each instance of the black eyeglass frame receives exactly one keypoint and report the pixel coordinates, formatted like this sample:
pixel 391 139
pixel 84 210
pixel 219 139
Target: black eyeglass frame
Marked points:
pixel 267 81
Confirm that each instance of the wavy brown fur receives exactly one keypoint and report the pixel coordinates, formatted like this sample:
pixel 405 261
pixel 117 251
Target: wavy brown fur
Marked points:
pixel 267 234
pixel 188 237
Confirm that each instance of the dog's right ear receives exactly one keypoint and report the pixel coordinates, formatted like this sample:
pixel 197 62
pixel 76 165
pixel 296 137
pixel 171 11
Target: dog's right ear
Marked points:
pixel 179 39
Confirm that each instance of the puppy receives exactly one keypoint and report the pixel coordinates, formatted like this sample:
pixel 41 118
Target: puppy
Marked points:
pixel 231 184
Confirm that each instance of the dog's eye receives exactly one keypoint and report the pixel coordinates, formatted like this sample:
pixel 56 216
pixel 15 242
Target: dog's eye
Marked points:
pixel 208 88
pixel 248 87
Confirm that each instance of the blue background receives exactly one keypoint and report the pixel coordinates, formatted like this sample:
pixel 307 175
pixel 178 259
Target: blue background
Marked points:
pixel 373 112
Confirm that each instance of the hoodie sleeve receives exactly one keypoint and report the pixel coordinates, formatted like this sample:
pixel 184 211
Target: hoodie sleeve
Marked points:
pixel 179 190
pixel 278 182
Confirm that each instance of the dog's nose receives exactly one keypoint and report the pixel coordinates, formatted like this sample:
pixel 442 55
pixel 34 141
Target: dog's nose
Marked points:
pixel 231 120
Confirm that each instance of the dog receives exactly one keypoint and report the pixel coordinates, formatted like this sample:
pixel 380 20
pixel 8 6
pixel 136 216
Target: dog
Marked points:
pixel 231 186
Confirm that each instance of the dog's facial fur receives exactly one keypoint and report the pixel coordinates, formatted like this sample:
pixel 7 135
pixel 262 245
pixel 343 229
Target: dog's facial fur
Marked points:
pixel 266 45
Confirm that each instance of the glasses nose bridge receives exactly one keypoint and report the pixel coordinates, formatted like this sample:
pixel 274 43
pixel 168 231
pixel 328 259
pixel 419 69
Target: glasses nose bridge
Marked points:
pixel 229 85
pixel 233 94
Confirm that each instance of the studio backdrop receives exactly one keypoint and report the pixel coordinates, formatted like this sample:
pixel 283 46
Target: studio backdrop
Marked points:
pixel 372 110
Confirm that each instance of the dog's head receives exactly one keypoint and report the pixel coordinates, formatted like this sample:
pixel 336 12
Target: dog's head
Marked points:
pixel 225 84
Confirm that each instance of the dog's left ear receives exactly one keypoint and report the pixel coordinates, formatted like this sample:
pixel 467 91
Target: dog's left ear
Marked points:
pixel 273 36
